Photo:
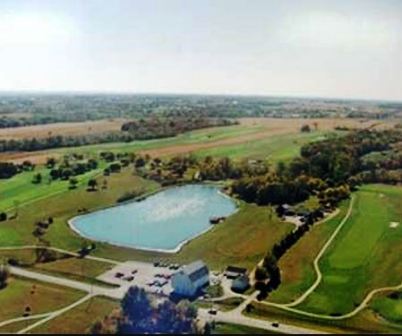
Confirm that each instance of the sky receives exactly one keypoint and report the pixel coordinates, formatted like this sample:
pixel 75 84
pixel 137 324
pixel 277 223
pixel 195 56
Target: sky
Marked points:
pixel 316 48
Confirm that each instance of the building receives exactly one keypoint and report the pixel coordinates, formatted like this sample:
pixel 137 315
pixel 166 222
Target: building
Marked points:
pixel 232 272
pixel 189 280
pixel 240 284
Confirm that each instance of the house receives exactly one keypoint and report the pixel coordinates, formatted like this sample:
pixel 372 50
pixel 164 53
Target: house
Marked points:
pixel 189 280
pixel 232 272
pixel 284 210
pixel 240 284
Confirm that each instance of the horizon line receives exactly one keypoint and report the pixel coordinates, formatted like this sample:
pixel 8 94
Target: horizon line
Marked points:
pixel 149 93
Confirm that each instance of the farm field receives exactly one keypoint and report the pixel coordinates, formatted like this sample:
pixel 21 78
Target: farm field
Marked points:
pixel 63 129
pixel 250 130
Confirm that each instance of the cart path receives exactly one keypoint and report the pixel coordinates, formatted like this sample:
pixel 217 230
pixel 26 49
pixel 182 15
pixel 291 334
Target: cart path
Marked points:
pixel 319 256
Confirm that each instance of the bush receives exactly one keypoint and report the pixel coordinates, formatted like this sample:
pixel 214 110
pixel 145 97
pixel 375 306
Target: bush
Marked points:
pixel 3 216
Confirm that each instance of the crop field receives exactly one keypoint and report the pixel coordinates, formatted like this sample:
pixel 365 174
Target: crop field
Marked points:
pixel 64 129
pixel 364 256
pixel 244 136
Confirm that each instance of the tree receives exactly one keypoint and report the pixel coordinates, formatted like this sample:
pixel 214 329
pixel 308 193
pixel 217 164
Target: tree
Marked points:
pixel 37 179
pixel 92 185
pixel 4 274
pixel 3 216
pixel 73 183
pixel 305 128
pixel 140 315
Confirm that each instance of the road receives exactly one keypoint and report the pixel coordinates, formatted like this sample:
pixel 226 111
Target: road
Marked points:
pixel 234 316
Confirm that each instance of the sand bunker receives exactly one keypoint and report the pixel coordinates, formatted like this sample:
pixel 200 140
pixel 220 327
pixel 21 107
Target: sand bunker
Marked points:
pixel 393 225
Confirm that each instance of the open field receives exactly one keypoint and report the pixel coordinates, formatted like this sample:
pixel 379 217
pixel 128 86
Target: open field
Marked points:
pixel 363 254
pixel 40 297
pixel 79 319
pixel 358 261
pixel 243 239
pixel 365 322
pixel 21 189
pixel 250 130
pixel 63 129
pixel 388 307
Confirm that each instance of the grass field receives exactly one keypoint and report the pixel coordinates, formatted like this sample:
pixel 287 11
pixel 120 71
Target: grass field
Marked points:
pixel 359 260
pixel 274 148
pixel 364 322
pixel 365 255
pixel 45 298
pixel 297 272
pixel 243 239
pixel 79 319
pixel 239 139
pixel 388 308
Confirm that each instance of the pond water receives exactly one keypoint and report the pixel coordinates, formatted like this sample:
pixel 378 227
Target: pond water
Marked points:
pixel 163 221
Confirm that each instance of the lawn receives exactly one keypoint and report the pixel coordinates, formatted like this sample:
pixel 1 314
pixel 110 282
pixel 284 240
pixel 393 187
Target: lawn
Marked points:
pixel 242 240
pixel 40 297
pixel 365 254
pixel 80 319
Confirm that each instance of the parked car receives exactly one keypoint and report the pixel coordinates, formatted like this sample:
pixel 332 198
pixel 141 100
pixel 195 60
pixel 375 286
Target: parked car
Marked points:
pixel 128 278
pixel 119 275
pixel 275 324
pixel 212 311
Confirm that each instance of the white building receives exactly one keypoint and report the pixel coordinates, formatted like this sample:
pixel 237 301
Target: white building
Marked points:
pixel 190 279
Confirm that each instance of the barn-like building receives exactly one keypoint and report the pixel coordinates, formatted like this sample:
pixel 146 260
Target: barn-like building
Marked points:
pixel 190 279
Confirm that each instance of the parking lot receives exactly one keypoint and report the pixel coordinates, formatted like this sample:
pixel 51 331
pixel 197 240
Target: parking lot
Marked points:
pixel 154 279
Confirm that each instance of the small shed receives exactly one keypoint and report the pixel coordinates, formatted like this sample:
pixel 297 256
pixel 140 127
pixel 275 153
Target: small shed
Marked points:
pixel 240 284
pixel 232 272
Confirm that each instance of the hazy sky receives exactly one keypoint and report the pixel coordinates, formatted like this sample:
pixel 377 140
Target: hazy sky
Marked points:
pixel 342 48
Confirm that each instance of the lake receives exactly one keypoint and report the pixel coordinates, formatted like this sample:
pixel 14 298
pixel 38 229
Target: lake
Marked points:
pixel 163 221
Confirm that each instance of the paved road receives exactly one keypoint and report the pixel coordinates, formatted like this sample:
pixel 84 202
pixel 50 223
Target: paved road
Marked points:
pixel 238 318
pixel 234 316
pixel 114 293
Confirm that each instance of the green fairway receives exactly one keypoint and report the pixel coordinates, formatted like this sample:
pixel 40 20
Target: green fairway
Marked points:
pixel 388 307
pixel 297 272
pixel 365 254
pixel 40 297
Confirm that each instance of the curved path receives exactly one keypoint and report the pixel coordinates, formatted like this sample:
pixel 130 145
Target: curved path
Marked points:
pixel 355 311
pixel 319 256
